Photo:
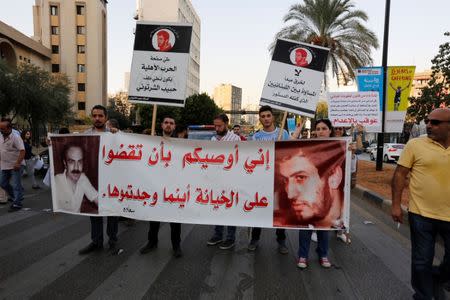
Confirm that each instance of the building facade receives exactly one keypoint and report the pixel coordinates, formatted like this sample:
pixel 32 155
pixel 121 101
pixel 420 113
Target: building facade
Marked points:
pixel 75 31
pixel 229 98
pixel 176 11
pixel 16 48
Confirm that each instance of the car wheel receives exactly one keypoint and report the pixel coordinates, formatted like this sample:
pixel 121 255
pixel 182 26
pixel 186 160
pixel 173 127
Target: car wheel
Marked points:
pixel 386 159
pixel 372 157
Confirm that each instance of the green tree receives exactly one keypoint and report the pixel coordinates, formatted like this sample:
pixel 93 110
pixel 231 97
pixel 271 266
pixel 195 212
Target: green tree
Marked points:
pixel 334 24
pixel 321 110
pixel 437 92
pixel 34 95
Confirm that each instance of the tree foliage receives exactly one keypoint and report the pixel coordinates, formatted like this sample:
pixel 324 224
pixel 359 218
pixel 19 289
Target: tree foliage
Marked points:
pixel 34 95
pixel 437 92
pixel 334 24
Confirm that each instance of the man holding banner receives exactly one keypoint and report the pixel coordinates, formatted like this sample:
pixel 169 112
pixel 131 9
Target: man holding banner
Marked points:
pixel 268 133
pixel 223 134
pixel 168 128
pixel 99 117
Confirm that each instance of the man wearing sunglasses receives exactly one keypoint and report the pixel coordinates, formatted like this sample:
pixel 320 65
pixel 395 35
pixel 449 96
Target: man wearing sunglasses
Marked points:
pixel 427 160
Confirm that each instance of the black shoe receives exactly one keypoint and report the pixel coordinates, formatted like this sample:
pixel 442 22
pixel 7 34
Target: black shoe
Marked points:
pixel 177 253
pixel 228 244
pixel 10 200
pixel 14 208
pixel 214 241
pixel 149 247
pixel 90 248
pixel 35 187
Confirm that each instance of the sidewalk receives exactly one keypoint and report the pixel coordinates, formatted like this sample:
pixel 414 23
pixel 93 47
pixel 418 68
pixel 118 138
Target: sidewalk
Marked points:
pixel 378 182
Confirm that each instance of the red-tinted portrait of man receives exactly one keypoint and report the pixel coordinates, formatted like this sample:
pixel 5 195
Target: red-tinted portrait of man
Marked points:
pixel 301 57
pixel 163 40
pixel 309 184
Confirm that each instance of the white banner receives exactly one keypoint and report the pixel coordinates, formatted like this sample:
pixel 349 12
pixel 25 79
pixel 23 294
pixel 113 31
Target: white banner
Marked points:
pixel 159 68
pixel 295 76
pixel 258 184
pixel 351 108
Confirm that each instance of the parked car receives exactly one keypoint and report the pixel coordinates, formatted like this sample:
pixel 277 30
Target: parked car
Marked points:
pixel 371 147
pixel 391 152
pixel 201 132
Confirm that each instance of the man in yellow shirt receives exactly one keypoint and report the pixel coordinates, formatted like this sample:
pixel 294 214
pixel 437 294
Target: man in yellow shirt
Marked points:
pixel 427 160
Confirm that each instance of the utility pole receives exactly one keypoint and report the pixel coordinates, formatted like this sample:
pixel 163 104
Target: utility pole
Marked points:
pixel 380 142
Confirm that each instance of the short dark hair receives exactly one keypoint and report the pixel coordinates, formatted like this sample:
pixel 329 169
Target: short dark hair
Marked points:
pixel 63 130
pixel 168 116
pixel 8 121
pixel 265 108
pixel 222 117
pixel 236 126
pixel 68 146
pixel 101 107
pixel 114 123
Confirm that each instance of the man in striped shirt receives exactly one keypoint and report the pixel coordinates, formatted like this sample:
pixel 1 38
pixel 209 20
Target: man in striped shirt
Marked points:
pixel 223 134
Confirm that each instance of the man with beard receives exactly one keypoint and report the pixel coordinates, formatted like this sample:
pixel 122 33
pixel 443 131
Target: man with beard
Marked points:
pixel 168 128
pixel 73 185
pixel 310 178
pixel 99 117
pixel 426 162
pixel 223 134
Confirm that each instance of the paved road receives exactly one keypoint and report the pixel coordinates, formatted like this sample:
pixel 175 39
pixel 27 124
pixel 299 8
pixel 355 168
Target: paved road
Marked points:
pixel 39 260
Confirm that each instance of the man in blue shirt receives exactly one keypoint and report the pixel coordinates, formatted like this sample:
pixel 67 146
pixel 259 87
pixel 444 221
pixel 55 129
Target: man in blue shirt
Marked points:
pixel 268 133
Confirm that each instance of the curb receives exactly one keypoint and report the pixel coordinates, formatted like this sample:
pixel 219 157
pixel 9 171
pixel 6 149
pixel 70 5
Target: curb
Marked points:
pixel 377 201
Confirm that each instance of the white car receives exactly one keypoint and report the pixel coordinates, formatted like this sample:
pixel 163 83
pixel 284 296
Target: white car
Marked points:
pixel 391 152
pixel 370 148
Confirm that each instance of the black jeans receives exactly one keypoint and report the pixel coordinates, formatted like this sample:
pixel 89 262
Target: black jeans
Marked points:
pixel 281 234
pixel 175 233
pixel 112 228
pixel 423 237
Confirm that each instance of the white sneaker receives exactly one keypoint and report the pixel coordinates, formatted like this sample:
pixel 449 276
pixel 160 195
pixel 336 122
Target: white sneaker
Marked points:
pixel 314 236
pixel 344 236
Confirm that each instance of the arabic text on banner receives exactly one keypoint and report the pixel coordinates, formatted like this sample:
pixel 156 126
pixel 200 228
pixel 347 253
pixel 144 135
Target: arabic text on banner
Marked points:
pixel 159 67
pixel 351 108
pixel 257 184
pixel 295 77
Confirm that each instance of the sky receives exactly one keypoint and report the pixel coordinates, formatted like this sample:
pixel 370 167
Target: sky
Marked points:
pixel 235 35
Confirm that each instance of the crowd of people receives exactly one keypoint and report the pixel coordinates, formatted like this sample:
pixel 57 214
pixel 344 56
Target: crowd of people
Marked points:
pixel 426 160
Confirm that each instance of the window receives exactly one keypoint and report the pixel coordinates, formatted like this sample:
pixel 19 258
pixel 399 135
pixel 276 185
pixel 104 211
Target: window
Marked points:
pixel 81 87
pixel 20 57
pixel 81 49
pixel 81 30
pixel 55 68
pixel 80 10
pixel 81 105
pixel 81 68
pixel 55 30
pixel 55 49
pixel 53 10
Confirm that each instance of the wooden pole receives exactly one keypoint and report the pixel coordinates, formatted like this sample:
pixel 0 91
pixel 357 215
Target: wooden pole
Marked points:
pixel 155 108
pixel 280 134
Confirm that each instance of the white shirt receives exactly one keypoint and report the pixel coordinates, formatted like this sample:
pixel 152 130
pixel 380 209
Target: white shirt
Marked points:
pixel 230 136
pixel 68 200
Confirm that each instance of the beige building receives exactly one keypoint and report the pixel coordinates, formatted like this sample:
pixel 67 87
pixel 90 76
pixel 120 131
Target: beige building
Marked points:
pixel 176 11
pixel 229 98
pixel 16 48
pixel 75 31
pixel 419 82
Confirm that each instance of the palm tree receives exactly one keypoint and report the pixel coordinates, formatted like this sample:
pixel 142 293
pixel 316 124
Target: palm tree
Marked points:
pixel 334 24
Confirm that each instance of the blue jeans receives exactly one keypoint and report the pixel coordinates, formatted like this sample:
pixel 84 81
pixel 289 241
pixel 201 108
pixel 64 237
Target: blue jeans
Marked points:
pixel 304 240
pixel 16 190
pixel 231 232
pixel 423 237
